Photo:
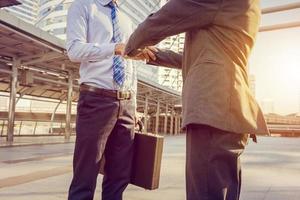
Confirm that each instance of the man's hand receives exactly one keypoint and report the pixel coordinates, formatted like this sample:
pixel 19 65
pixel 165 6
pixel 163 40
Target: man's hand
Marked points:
pixel 147 54
pixel 119 49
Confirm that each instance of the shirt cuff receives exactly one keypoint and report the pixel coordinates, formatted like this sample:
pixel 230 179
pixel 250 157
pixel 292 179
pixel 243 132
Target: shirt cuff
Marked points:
pixel 106 50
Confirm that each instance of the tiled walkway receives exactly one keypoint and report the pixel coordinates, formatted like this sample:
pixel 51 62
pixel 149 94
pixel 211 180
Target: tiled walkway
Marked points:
pixel 271 172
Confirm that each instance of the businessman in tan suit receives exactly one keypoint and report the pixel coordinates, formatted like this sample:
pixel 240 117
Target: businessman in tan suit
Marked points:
pixel 219 110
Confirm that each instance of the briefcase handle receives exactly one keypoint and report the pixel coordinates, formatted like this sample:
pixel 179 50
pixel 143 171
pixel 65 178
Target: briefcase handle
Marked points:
pixel 140 125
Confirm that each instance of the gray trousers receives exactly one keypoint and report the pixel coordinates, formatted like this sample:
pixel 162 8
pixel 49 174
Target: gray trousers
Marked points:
pixel 213 170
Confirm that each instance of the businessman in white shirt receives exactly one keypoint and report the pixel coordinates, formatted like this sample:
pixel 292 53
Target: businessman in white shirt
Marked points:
pixel 96 36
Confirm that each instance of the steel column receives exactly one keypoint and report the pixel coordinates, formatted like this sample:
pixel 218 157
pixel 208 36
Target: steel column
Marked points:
pixel 279 26
pixel 20 128
pixel 172 121
pixel 157 117
pixel 69 107
pixel 166 120
pixel 2 127
pixel 34 129
pixel 281 8
pixel 53 116
pixel 180 124
pixel 146 114
pixel 12 101
pixel 176 125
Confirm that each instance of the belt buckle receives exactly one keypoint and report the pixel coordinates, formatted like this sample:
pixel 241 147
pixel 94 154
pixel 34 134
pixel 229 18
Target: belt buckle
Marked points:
pixel 123 95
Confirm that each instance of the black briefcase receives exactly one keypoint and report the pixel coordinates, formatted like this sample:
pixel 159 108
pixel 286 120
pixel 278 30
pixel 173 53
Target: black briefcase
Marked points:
pixel 147 157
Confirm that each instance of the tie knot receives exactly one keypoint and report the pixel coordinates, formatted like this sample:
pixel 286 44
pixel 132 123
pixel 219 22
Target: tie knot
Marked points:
pixel 112 5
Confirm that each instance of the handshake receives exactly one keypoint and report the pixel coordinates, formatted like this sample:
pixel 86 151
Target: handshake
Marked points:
pixel 147 54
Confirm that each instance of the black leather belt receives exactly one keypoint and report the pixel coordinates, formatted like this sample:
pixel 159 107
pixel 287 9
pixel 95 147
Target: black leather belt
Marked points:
pixel 119 95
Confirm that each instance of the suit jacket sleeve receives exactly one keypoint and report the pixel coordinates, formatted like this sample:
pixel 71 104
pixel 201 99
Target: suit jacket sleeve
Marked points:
pixel 167 58
pixel 174 17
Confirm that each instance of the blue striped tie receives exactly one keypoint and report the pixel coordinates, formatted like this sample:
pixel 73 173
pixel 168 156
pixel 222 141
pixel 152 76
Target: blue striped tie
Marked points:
pixel 118 62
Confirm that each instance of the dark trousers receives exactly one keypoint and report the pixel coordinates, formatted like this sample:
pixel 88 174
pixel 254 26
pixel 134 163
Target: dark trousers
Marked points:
pixel 104 126
pixel 213 170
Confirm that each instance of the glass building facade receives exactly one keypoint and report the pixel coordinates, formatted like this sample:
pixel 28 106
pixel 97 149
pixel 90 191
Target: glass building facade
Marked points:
pixel 53 13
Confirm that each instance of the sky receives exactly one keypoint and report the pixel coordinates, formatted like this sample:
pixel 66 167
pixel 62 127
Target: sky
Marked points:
pixel 275 61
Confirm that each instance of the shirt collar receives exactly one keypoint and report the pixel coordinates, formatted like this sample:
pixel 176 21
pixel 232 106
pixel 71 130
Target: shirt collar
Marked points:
pixel 104 2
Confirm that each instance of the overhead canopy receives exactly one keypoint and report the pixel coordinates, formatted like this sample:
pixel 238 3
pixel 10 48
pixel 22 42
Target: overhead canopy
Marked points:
pixel 45 69
pixel 6 3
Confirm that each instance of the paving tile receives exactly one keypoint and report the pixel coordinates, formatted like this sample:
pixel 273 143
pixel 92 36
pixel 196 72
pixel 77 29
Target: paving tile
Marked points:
pixel 270 172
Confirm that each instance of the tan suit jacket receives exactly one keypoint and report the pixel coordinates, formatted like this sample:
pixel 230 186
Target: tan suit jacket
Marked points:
pixel 219 37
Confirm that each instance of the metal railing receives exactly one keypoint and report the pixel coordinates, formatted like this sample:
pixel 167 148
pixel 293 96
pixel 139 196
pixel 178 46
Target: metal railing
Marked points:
pixel 35 128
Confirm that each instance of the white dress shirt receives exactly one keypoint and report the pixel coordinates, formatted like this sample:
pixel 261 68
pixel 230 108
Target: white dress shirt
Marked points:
pixel 89 41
